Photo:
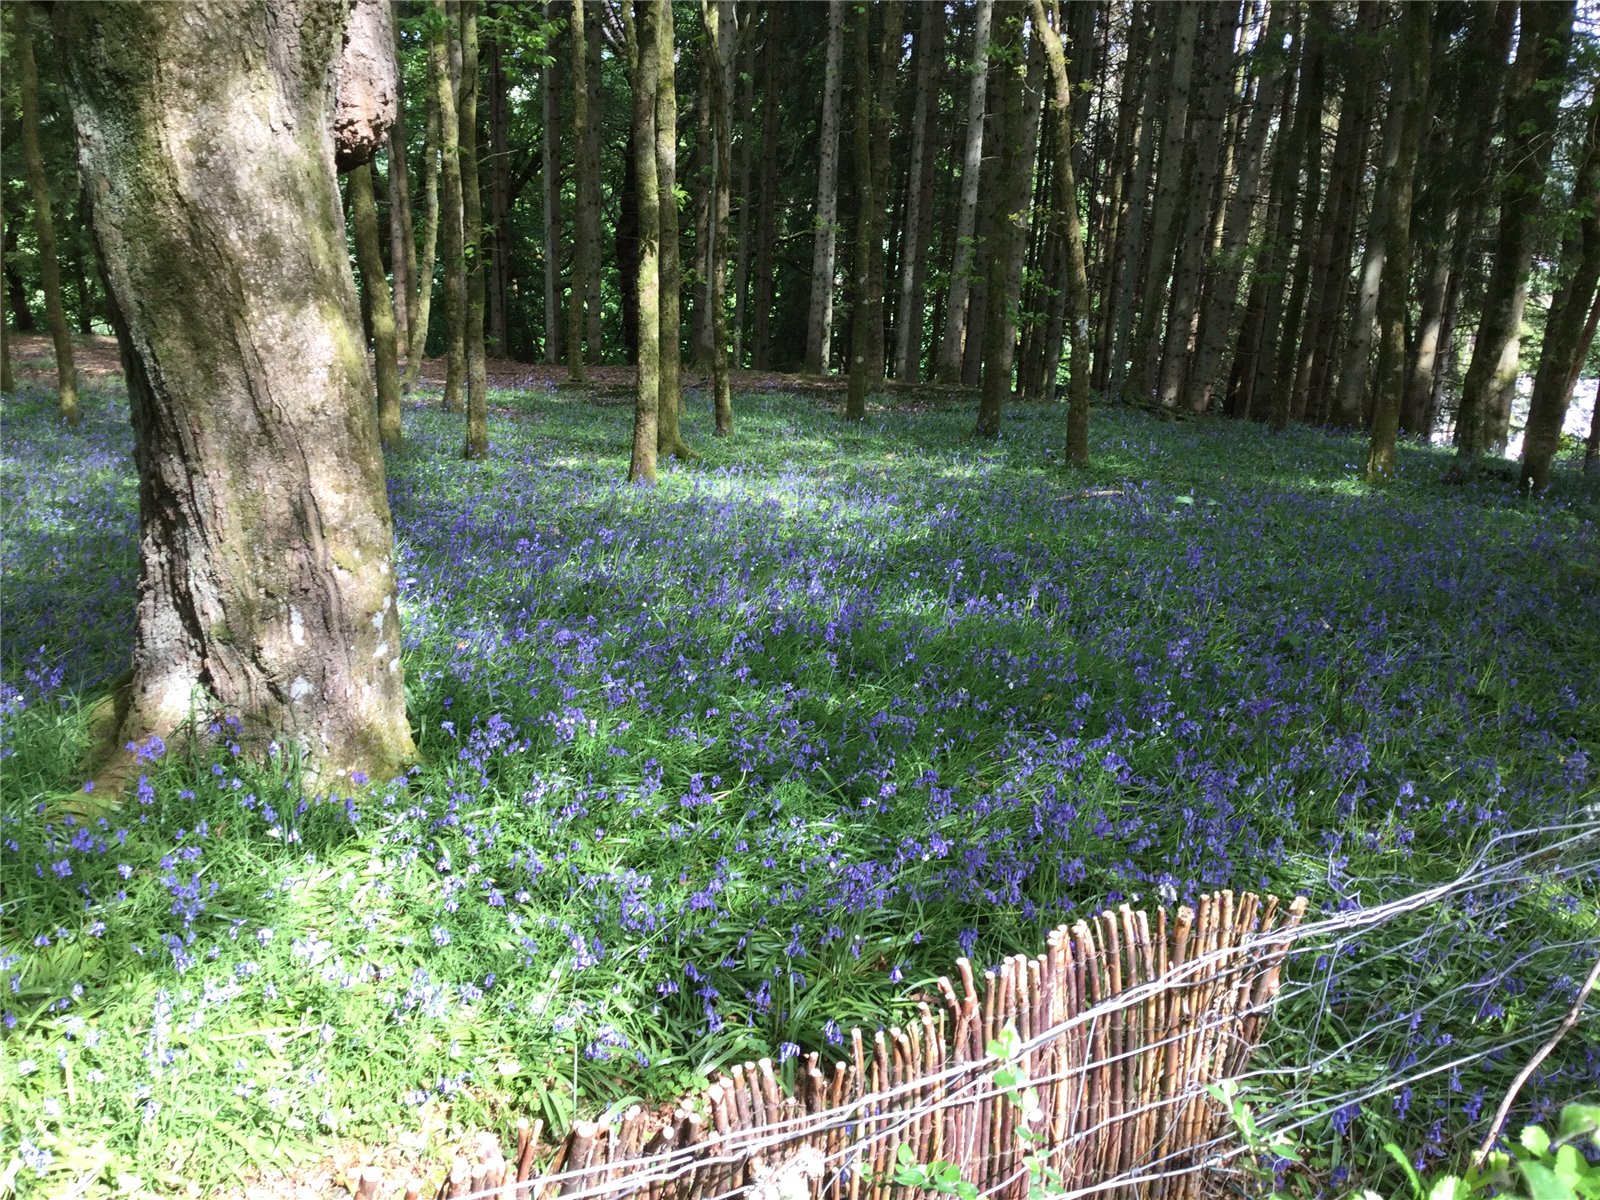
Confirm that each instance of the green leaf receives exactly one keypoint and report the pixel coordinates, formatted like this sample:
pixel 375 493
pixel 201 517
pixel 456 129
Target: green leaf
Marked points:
pixel 1449 1187
pixel 904 1156
pixel 1400 1157
pixel 1535 1141
pixel 1569 1166
pixel 1183 499
pixel 1579 1119
pixel 1543 1184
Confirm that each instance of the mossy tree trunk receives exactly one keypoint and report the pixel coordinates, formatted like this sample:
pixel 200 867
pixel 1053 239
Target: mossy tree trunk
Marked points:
pixel 477 444
pixel 375 287
pixel 43 222
pixel 644 57
pixel 450 215
pixel 265 587
pixel 668 439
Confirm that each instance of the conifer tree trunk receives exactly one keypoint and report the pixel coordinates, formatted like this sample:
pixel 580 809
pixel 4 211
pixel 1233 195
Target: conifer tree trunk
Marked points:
pixel 1071 230
pixel 1006 215
pixel 402 233
pixel 375 287
pixel 703 182
pixel 1222 282
pixel 741 248
pixel 477 444
pixel 582 264
pixel 720 29
pixel 1170 171
pixel 421 304
pixel 819 321
pixel 1209 128
pixel 550 170
pixel 450 214
pixel 863 373
pixel 1411 95
pixel 952 341
pixel 1565 345
pixel 8 383
pixel 43 222
pixel 668 440
pixel 884 95
pixel 911 311
pixel 497 235
pixel 265 587
pixel 1131 249
pixel 644 54
pixel 767 204
pixel 1120 208
pixel 1533 103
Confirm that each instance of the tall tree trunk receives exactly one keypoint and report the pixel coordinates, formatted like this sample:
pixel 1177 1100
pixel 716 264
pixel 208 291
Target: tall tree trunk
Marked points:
pixel 589 231
pixel 582 264
pixel 1222 281
pixel 741 248
pixel 863 311
pixel 819 321
pixel 952 342
pixel 450 214
pixel 911 312
pixel 265 588
pixel 550 164
pixel 1145 351
pixel 720 17
pixel 498 235
pixel 1131 249
pixel 1565 346
pixel 1289 394
pixel 767 205
pixel 43 223
pixel 703 182
pixel 668 440
pixel 644 54
pixel 1124 204
pixel 84 310
pixel 402 234
pixel 1067 222
pixel 477 444
pixel 1006 215
pixel 421 301
pixel 1410 93
pixel 1533 104
pixel 8 383
pixel 375 287
pixel 883 113
pixel 1209 127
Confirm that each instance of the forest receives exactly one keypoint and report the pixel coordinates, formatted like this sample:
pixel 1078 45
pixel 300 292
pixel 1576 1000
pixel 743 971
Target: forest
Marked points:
pixel 551 549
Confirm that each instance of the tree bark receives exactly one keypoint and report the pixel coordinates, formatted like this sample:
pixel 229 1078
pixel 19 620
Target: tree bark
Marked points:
pixel 720 29
pixel 497 236
pixel 741 248
pixel 477 443
pixel 450 206
pixel 767 205
pixel 1533 103
pixel 8 383
pixel 550 170
pixel 952 342
pixel 911 312
pixel 375 287
pixel 43 222
pixel 1067 222
pixel 422 286
pixel 402 232
pixel 265 586
pixel 1565 345
pixel 1006 216
pixel 884 95
pixel 863 311
pixel 1410 94
pixel 644 54
pixel 819 321
pixel 668 440
pixel 589 230
pixel 587 204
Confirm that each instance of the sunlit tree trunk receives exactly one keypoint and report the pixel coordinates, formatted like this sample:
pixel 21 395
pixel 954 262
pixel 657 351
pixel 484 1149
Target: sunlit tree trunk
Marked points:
pixel 1006 215
pixel 265 585
pixel 668 440
pixel 1565 345
pixel 402 233
pixel 1533 105
pixel 450 204
pixel 421 305
pixel 43 222
pixel 1411 95
pixel 477 444
pixel 952 342
pixel 375 287
pixel 1071 230
pixel 644 57
pixel 819 322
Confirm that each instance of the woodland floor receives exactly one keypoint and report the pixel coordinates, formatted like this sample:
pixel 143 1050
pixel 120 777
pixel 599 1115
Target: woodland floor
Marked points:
pixel 721 769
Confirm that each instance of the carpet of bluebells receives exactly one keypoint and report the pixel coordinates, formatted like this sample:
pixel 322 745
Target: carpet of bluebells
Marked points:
pixel 726 767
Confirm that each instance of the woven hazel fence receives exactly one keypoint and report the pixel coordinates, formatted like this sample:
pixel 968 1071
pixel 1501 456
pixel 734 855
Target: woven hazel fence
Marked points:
pixel 1122 1023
